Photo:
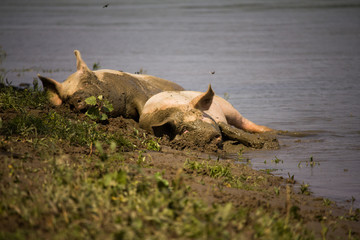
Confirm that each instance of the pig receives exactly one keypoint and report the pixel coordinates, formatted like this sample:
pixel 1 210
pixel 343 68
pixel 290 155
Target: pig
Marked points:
pixel 200 118
pixel 127 92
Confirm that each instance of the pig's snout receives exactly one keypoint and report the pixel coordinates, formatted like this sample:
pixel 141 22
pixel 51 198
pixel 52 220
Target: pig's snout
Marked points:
pixel 78 104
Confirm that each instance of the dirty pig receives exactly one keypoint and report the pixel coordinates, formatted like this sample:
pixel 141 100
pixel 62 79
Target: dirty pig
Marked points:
pixel 200 118
pixel 125 91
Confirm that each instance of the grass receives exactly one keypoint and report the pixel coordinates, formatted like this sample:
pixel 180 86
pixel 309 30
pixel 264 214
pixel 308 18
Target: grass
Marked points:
pixel 22 100
pixel 327 202
pixel 97 199
pixel 54 126
pixel 310 163
pixel 217 170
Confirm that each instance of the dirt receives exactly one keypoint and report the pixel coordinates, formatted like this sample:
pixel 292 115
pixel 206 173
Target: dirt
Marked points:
pixel 171 158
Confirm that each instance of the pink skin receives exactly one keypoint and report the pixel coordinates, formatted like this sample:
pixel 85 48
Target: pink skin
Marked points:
pixel 234 118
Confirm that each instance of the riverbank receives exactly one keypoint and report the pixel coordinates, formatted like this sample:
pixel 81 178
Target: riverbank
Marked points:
pixel 65 176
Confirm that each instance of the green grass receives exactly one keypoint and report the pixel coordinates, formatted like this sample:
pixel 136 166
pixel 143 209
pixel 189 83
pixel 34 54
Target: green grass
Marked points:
pixel 217 170
pixel 52 125
pixel 49 123
pixel 100 199
pixel 22 100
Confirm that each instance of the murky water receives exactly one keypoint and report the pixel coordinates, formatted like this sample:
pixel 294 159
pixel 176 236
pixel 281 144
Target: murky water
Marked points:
pixel 290 65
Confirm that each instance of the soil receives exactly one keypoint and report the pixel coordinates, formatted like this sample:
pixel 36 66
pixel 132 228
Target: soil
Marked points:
pixel 172 156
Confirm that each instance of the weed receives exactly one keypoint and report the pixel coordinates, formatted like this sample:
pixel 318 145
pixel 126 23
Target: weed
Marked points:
pixel 240 156
pixel 121 142
pixel 324 231
pixel 353 216
pixel 304 189
pixel 96 66
pixel 291 178
pixel 277 190
pixel 214 171
pixel 153 145
pixel 217 170
pixel 327 202
pixel 268 170
pixel 142 160
pixel 141 71
pixel 312 163
pixel 277 160
pixel 99 108
pixel 162 184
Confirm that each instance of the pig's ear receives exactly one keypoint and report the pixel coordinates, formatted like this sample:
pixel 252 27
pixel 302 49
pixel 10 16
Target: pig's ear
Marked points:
pixel 203 101
pixel 166 127
pixel 80 64
pixel 53 88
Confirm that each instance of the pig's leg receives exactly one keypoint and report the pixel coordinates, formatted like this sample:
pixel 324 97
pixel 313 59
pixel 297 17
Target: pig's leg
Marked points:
pixel 235 119
pixel 267 141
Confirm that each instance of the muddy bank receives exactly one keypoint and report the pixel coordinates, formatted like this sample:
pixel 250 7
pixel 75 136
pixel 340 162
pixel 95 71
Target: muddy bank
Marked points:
pixel 57 168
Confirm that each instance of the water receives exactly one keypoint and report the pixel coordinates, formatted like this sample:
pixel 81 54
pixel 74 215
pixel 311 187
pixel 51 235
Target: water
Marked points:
pixel 290 65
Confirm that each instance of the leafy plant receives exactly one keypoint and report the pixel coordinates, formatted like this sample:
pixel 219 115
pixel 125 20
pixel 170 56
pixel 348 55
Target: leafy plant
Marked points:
pixel 312 163
pixel 291 178
pixel 327 202
pixel 304 189
pixel 277 160
pixel 99 108
pixel 240 156
pixel 96 66
pixel 153 145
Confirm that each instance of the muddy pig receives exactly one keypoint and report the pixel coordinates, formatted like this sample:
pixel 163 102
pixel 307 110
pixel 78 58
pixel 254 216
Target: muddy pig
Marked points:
pixel 127 92
pixel 199 118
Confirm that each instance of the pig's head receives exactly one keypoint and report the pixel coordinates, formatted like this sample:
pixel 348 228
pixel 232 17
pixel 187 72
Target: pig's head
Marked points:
pixel 75 89
pixel 187 123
